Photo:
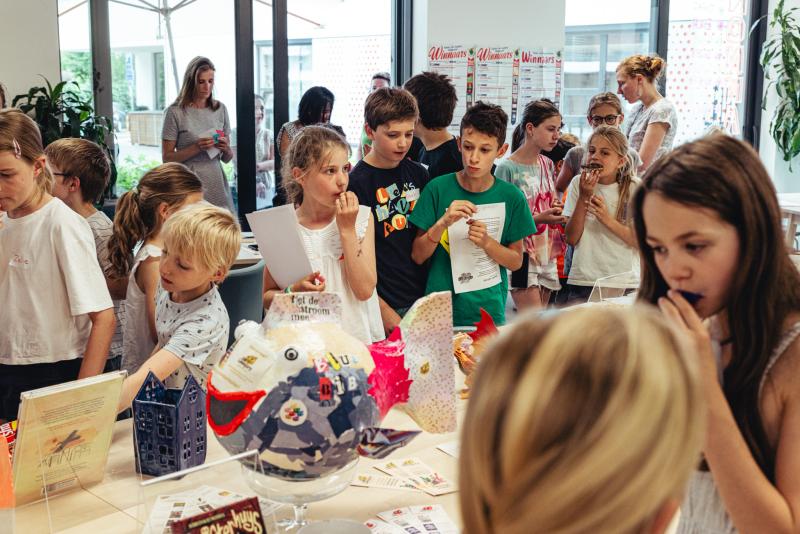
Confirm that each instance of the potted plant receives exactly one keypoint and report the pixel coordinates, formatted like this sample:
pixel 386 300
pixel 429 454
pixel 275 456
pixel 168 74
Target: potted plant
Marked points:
pixel 780 60
pixel 63 111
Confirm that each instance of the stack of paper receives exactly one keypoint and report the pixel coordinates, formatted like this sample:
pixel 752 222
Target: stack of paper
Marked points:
pixel 431 519
pixel 407 474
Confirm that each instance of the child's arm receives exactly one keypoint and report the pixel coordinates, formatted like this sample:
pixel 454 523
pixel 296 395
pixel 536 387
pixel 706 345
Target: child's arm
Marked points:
pixel 99 343
pixel 163 363
pixel 312 282
pixel 426 242
pixel 389 317
pixel 147 277
pixel 597 207
pixel 359 254
pixel 509 256
pixel 576 222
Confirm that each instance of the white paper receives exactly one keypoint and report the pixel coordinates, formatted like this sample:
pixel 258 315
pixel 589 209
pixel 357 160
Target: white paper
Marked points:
pixel 280 244
pixel 451 447
pixel 212 152
pixel 472 268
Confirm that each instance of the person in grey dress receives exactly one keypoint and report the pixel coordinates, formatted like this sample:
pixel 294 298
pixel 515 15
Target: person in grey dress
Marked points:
pixel 196 132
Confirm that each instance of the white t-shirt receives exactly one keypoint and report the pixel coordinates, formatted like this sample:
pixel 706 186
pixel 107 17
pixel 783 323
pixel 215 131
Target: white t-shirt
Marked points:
pixel 600 253
pixel 102 228
pixel 196 332
pixel 49 281
pixel 360 318
pixel 137 343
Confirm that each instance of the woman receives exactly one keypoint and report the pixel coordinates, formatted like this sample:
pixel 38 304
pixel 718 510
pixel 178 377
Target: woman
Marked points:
pixel 265 157
pixel 196 130
pixel 315 107
pixel 653 120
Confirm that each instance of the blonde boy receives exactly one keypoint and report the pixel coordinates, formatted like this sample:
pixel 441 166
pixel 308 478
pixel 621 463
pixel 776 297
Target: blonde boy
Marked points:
pixel 201 242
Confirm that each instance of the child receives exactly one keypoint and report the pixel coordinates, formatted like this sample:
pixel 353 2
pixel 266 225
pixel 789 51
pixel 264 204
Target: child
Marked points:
pixel 708 225
pixel 590 420
pixel 565 143
pixel 337 233
pixel 534 174
pixel 456 196
pixel 56 314
pixel 200 245
pixel 391 183
pixel 436 99
pixel 141 212
pixel 81 173
pixel 604 109
pixel 599 225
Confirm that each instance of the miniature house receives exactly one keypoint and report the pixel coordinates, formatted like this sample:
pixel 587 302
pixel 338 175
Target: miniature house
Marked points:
pixel 170 427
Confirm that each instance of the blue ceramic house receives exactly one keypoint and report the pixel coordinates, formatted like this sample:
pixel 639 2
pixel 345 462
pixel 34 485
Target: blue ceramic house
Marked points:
pixel 169 426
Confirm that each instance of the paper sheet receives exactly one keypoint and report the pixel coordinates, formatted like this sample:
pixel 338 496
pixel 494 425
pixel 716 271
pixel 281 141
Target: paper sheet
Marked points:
pixel 280 244
pixel 212 152
pixel 472 268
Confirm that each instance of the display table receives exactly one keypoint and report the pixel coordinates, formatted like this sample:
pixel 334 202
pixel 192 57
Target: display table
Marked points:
pixel 113 506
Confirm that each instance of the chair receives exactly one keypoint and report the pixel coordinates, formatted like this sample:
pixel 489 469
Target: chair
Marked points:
pixel 242 292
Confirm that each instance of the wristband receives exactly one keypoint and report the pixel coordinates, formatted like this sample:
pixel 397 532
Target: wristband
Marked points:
pixel 432 240
pixel 288 289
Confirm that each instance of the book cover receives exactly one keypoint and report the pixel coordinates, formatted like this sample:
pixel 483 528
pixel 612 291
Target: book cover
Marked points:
pixel 63 436
pixel 242 517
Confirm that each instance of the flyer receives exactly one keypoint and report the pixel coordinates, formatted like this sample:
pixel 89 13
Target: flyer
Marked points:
pixel 473 269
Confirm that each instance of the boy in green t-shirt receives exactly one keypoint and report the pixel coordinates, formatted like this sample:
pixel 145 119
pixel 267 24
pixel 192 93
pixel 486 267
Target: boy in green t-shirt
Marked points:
pixel 452 197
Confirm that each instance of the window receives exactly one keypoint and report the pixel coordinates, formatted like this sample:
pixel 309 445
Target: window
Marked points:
pixel 75 44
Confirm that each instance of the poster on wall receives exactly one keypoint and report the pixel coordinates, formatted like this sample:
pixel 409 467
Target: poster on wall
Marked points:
pixel 458 63
pixel 539 77
pixel 494 76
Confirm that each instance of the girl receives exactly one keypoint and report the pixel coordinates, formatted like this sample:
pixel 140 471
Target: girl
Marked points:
pixel 653 121
pixel 708 226
pixel 56 314
pixel 140 214
pixel 598 224
pixel 604 109
pixel 336 231
pixel 567 433
pixel 195 124
pixel 315 107
pixel 534 174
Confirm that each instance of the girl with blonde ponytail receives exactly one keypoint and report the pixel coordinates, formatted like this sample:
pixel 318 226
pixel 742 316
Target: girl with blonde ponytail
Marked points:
pixel 56 314
pixel 597 432
pixel 599 226
pixel 140 215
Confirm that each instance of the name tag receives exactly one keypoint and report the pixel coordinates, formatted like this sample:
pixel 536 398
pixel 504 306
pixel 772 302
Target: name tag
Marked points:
pixel 412 195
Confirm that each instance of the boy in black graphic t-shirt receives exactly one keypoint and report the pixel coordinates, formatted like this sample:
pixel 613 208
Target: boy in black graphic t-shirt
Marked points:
pixel 436 99
pixel 390 184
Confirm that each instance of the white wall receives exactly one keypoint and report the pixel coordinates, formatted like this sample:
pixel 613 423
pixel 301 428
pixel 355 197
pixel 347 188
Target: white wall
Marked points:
pixel 785 181
pixel 29 40
pixel 517 23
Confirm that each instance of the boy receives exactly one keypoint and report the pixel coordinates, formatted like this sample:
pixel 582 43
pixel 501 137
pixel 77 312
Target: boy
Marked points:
pixel 436 99
pixel 201 242
pixel 390 184
pixel 81 171
pixel 452 197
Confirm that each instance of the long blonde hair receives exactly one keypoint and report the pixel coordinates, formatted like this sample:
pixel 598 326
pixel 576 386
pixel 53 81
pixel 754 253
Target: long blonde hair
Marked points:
pixel 20 135
pixel 580 433
pixel 137 216
pixel 626 174
pixel 308 152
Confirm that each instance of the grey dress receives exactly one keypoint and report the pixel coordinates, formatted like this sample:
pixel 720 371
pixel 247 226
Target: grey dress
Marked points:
pixel 185 126
pixel 703 511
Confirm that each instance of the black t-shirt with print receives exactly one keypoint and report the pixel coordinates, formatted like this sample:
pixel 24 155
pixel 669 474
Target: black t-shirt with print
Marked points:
pixel 391 195
pixel 443 159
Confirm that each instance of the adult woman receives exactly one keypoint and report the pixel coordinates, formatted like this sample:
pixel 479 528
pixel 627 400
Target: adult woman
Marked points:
pixel 652 122
pixel 379 81
pixel 315 107
pixel 196 130
pixel 265 157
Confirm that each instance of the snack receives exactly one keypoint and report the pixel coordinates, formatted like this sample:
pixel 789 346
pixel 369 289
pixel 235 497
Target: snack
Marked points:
pixel 591 166
pixel 690 297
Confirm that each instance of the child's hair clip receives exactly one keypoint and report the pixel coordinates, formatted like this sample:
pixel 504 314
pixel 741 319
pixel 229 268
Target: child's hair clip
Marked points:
pixel 17 149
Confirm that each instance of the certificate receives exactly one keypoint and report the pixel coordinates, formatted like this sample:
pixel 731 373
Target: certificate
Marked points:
pixel 472 268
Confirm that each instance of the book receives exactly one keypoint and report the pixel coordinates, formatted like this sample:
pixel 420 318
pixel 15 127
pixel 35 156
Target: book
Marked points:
pixel 63 436
pixel 241 517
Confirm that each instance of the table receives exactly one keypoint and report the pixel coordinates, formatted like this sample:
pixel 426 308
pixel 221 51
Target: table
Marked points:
pixel 790 209
pixel 114 504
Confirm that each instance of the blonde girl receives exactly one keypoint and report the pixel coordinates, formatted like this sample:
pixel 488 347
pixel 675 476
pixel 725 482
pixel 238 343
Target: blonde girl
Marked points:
pixel 605 109
pixel 337 233
pixel 534 174
pixel 599 224
pixel 653 121
pixel 141 212
pixel 56 314
pixel 596 432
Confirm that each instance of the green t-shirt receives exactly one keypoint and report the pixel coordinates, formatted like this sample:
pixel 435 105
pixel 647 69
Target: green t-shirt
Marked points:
pixel 433 202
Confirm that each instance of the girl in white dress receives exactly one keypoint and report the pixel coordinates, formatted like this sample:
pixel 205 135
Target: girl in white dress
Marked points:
pixel 337 233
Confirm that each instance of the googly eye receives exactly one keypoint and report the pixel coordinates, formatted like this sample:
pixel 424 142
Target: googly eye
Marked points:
pixel 291 354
